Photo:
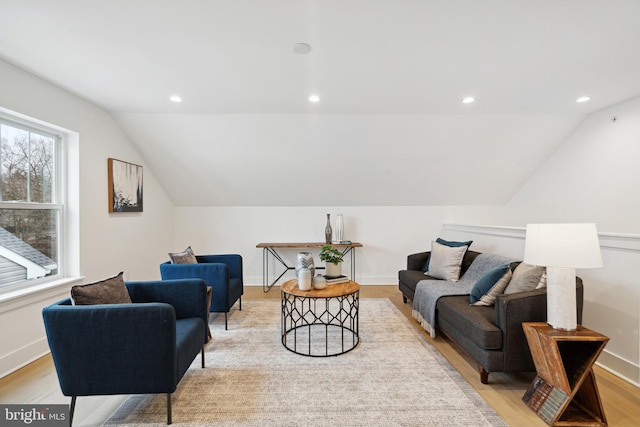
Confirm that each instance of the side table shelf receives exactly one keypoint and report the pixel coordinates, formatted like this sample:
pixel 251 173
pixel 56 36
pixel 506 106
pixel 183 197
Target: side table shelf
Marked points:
pixel 564 391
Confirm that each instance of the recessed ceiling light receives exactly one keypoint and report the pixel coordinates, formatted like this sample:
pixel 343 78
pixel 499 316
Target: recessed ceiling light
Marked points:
pixel 301 48
pixel 175 98
pixel 468 100
pixel 314 98
pixel 583 99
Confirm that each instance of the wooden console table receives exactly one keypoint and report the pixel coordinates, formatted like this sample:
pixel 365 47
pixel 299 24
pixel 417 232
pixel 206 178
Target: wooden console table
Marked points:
pixel 271 249
pixel 564 392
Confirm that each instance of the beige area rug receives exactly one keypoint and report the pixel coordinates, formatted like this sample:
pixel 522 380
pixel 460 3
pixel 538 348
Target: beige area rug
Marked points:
pixel 394 377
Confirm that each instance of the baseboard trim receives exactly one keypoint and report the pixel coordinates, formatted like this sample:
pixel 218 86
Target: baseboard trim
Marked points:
pixel 21 357
pixel 619 367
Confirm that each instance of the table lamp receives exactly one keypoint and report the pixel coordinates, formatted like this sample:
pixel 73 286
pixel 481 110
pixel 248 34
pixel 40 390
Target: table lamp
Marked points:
pixel 562 248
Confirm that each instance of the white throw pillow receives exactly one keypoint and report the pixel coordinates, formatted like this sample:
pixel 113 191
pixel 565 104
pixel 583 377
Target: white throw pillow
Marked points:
pixel 446 262
pixel 526 277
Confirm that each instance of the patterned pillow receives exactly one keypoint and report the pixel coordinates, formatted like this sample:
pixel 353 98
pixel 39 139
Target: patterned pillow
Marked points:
pixel 185 257
pixel 446 261
pixel 107 291
pixel 490 285
pixel 526 277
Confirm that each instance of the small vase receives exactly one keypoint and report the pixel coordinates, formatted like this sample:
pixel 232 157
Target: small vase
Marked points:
pixel 304 279
pixel 319 282
pixel 339 228
pixel 328 233
pixel 305 260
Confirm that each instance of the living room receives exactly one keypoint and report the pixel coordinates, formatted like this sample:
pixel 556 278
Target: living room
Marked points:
pixel 402 164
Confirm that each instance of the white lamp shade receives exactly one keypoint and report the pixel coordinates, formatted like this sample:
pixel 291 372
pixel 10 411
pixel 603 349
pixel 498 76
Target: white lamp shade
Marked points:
pixel 562 245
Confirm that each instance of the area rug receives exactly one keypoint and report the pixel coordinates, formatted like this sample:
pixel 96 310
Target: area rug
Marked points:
pixel 394 377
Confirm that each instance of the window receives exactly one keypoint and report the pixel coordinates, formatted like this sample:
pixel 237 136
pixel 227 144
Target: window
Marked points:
pixel 30 203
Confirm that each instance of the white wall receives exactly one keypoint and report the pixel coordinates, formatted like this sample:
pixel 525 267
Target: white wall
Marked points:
pixel 108 243
pixel 592 177
pixel 388 234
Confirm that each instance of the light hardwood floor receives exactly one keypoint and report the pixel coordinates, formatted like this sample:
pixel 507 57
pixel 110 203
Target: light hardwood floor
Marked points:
pixel 37 383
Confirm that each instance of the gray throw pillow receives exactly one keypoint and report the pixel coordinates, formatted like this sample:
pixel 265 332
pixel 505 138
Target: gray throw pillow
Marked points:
pixel 526 277
pixel 185 257
pixel 107 291
pixel 446 261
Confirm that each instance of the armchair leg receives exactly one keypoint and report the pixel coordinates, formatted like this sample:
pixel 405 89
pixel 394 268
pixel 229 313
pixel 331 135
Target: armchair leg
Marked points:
pixel 240 302
pixel 225 320
pixel 72 409
pixel 202 356
pixel 168 408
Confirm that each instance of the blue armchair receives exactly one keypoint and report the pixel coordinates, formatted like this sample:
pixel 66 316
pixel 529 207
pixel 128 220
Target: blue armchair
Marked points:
pixel 222 272
pixel 140 348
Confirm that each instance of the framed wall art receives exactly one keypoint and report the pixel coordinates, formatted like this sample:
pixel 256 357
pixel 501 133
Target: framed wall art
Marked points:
pixel 125 186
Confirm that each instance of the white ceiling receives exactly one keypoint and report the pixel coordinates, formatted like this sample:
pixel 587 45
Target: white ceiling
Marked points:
pixel 391 76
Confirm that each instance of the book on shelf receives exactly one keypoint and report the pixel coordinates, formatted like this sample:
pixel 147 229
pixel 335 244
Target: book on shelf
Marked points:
pixel 545 399
pixel 332 280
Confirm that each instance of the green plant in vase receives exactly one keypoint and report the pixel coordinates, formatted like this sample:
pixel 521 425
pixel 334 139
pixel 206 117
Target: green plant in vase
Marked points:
pixel 333 260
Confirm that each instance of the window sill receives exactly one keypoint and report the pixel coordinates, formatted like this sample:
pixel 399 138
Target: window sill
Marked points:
pixel 38 292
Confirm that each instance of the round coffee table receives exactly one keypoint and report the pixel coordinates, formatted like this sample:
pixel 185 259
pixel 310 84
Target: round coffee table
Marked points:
pixel 320 323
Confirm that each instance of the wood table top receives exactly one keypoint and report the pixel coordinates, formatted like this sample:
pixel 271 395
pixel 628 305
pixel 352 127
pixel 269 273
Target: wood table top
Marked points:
pixel 308 245
pixel 580 334
pixel 330 291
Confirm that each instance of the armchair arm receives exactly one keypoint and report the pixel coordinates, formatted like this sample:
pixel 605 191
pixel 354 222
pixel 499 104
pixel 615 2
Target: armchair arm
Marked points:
pixel 416 261
pixel 113 348
pixel 234 262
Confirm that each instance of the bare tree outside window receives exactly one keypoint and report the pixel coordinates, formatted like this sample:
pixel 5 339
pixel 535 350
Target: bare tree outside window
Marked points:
pixel 28 208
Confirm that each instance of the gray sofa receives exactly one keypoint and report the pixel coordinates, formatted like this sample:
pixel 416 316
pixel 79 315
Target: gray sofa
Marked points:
pixel 492 335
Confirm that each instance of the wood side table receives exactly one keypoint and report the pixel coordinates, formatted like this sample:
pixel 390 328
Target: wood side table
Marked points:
pixel 564 392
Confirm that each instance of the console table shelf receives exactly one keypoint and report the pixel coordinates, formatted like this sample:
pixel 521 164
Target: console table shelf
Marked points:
pixel 564 392
pixel 271 249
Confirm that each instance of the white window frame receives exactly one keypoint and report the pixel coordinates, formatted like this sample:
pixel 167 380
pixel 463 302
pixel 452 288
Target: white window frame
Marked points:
pixel 58 202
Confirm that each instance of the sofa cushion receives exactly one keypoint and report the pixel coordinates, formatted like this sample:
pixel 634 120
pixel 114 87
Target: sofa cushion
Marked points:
pixel 446 261
pixel 185 257
pixel 446 243
pixel 526 277
pixel 107 291
pixel 490 285
pixel 475 322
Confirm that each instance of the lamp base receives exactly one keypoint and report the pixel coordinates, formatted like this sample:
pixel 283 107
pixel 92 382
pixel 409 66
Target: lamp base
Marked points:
pixel 561 298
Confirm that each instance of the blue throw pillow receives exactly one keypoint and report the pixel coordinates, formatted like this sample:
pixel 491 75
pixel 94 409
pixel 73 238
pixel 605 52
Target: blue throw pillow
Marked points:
pixel 446 243
pixel 486 282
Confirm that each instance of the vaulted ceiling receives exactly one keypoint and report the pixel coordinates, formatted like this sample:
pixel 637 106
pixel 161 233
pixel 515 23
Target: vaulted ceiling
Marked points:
pixel 390 127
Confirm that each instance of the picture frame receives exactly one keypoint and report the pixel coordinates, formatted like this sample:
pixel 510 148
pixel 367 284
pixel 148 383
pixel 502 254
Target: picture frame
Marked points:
pixel 125 186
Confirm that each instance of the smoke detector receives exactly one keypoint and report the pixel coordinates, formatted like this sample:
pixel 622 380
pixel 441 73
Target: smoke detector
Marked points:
pixel 301 48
